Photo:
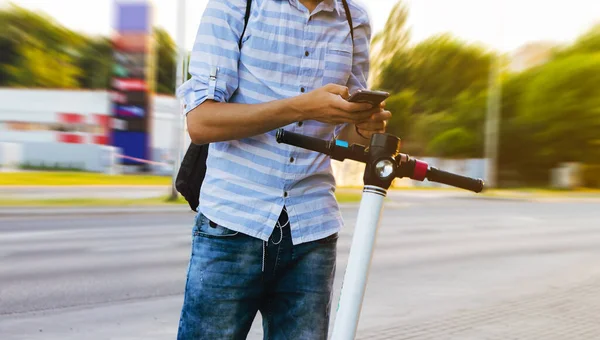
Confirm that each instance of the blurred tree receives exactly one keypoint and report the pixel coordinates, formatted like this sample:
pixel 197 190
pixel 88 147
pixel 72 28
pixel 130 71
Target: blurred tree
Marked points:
pixel 37 52
pixel 401 105
pixel 41 53
pixel 437 69
pixel 8 46
pixel 457 142
pixel 589 42
pixel 561 106
pixel 95 60
pixel 392 39
pixel 166 54
pixel 516 147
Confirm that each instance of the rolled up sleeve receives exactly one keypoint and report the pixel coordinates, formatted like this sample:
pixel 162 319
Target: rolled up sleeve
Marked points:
pixel 214 59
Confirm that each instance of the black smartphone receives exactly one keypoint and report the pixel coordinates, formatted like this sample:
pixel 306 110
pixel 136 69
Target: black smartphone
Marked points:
pixel 368 96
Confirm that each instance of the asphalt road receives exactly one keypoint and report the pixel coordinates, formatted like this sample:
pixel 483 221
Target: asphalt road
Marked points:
pixel 444 268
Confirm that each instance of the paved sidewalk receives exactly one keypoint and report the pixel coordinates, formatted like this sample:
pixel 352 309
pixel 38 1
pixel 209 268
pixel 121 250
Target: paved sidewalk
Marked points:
pixel 562 313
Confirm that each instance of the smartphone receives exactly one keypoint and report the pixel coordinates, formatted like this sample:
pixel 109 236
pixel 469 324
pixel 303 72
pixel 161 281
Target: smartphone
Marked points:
pixel 368 96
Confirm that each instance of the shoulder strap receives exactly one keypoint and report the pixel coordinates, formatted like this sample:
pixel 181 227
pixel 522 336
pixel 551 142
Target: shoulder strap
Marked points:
pixel 349 17
pixel 246 18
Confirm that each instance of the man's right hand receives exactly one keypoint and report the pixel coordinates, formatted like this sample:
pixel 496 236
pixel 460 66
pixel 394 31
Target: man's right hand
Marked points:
pixel 329 104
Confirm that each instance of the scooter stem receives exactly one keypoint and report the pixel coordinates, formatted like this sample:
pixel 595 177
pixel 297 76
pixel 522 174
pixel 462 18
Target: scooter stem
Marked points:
pixel 359 262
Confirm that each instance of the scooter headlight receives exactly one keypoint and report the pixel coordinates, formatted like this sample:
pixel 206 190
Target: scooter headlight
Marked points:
pixel 384 169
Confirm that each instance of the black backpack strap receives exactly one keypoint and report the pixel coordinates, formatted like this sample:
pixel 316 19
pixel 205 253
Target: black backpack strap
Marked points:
pixel 246 18
pixel 349 17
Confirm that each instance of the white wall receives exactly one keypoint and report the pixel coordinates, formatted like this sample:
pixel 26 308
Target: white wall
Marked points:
pixel 11 155
pixel 89 157
pixel 42 106
pixel 25 102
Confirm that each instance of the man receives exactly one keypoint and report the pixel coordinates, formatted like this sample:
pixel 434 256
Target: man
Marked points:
pixel 265 237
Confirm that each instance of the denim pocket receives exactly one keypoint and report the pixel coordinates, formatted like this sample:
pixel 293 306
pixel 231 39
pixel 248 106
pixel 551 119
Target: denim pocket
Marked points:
pixel 205 228
pixel 329 239
pixel 338 66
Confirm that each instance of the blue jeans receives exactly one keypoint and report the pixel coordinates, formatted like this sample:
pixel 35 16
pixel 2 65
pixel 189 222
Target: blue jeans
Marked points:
pixel 232 276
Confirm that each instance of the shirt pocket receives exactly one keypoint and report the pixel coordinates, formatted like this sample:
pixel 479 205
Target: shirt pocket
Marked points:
pixel 337 66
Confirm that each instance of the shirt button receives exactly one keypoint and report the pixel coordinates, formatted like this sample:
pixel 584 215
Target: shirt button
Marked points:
pixel 306 53
pixel 285 194
pixel 291 159
pixel 300 123
pixel 302 89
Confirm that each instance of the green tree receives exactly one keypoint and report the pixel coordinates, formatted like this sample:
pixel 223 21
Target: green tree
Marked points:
pixel 392 39
pixel 41 52
pixel 95 60
pixel 589 42
pixel 456 142
pixel 562 106
pixel 438 69
pixel 166 54
pixel 401 105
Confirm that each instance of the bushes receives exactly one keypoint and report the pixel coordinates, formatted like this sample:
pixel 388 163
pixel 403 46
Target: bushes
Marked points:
pixel 591 176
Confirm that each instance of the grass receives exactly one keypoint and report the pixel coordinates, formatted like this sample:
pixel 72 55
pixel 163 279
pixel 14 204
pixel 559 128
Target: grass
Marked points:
pixel 101 202
pixel 90 202
pixel 51 178
pixel 542 192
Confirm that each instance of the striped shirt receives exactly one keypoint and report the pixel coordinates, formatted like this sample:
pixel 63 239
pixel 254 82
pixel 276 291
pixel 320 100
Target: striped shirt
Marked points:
pixel 286 51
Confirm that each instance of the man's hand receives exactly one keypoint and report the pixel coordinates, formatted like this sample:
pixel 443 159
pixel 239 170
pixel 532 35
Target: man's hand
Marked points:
pixel 329 105
pixel 377 123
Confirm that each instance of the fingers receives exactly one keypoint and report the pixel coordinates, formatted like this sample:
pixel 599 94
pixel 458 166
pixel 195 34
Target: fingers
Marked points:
pixel 372 126
pixel 338 89
pixel 382 115
pixel 377 114
pixel 377 122
pixel 347 106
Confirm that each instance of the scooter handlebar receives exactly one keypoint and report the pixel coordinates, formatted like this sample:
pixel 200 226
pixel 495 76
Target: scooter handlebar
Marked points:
pixel 473 184
pixel 415 169
pixel 302 141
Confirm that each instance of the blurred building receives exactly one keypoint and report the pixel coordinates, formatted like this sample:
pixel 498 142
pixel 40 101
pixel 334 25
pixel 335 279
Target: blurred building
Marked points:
pixel 77 117
pixel 531 55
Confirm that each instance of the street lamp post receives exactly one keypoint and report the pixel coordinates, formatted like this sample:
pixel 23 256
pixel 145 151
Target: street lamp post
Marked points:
pixel 492 124
pixel 179 79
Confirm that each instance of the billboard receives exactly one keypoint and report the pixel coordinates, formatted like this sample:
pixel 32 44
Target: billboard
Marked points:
pixel 132 81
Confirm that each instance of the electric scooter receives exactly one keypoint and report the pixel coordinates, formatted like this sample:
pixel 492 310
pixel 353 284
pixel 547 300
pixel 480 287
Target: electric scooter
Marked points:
pixel 384 163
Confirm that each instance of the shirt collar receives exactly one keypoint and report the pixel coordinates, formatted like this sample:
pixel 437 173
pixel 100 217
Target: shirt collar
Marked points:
pixel 325 5
pixel 332 5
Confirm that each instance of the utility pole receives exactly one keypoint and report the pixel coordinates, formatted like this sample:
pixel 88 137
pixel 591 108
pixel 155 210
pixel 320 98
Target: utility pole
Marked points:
pixel 492 124
pixel 179 79
pixel 494 103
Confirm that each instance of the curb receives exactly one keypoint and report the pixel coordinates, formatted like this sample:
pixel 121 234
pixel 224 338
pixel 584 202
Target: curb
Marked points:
pixel 61 211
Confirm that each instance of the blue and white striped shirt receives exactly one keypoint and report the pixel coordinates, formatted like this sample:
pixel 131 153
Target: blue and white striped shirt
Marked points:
pixel 285 51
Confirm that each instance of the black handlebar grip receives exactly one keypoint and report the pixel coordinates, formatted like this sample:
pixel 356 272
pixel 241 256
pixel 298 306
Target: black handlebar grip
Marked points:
pixel 302 141
pixel 467 183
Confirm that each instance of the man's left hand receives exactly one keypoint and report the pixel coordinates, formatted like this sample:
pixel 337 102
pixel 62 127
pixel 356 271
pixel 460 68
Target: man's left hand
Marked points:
pixel 377 123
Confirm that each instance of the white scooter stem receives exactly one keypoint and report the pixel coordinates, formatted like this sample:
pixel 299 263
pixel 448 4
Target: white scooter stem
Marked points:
pixel 359 261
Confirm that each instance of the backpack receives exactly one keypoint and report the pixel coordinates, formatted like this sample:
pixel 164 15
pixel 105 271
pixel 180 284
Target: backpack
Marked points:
pixel 193 166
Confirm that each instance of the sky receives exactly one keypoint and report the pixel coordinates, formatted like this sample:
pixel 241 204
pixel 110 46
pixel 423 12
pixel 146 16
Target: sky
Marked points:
pixel 501 24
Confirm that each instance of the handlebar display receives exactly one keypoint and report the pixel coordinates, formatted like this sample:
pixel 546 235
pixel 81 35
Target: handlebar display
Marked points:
pixel 406 166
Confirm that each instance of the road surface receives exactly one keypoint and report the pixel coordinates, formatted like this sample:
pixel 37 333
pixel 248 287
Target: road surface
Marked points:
pixel 444 268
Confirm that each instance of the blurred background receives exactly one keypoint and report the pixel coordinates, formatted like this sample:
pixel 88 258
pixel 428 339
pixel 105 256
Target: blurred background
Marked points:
pixel 94 240
pixel 498 90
